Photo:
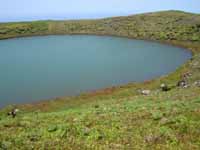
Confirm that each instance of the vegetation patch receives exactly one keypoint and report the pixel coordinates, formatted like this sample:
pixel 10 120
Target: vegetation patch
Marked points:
pixel 117 117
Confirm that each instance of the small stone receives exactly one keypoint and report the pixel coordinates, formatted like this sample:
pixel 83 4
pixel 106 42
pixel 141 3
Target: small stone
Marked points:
pixel 186 75
pixel 186 86
pixel 13 112
pixel 75 119
pixel 86 131
pixel 163 121
pixel 181 83
pixel 195 64
pixel 52 128
pixel 157 116
pixel 33 138
pixel 164 87
pixel 5 145
pixel 145 92
pixel 197 83
pixel 143 108
pixel 152 139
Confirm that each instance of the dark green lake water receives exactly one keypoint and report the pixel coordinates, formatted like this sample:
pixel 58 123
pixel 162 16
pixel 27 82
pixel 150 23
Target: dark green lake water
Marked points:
pixel 37 68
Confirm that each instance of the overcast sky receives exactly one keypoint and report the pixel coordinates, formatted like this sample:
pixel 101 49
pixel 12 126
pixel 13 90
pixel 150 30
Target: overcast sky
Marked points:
pixel 19 10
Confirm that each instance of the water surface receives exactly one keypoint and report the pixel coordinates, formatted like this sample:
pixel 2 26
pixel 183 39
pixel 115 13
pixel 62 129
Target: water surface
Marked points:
pixel 36 68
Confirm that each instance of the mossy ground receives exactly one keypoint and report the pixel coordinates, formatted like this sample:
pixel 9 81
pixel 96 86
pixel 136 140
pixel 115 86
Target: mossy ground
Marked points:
pixel 118 117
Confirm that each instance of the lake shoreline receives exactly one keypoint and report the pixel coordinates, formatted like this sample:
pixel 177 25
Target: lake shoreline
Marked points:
pixel 169 42
pixel 191 46
pixel 112 88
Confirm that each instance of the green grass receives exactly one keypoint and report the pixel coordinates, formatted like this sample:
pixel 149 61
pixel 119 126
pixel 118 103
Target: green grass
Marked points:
pixel 116 117
pixel 166 25
pixel 158 121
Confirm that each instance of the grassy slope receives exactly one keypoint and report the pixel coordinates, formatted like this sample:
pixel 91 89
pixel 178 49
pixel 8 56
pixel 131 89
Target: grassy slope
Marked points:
pixel 169 25
pixel 114 118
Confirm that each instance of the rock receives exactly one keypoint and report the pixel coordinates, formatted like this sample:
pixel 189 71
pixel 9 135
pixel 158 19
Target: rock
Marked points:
pixel 186 86
pixel 152 139
pixel 86 131
pixel 157 116
pixel 4 145
pixel 195 64
pixel 52 128
pixel 181 83
pixel 145 92
pixel 33 138
pixel 186 75
pixel 164 87
pixel 75 119
pixel 164 121
pixel 13 112
pixel 197 83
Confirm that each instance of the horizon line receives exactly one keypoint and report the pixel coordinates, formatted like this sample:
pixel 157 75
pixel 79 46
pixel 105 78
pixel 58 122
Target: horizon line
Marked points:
pixel 95 18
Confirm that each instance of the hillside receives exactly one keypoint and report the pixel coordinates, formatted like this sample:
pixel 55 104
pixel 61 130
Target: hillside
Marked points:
pixel 117 117
pixel 168 25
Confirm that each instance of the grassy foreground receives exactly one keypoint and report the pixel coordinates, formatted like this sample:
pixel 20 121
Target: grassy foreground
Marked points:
pixel 118 117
